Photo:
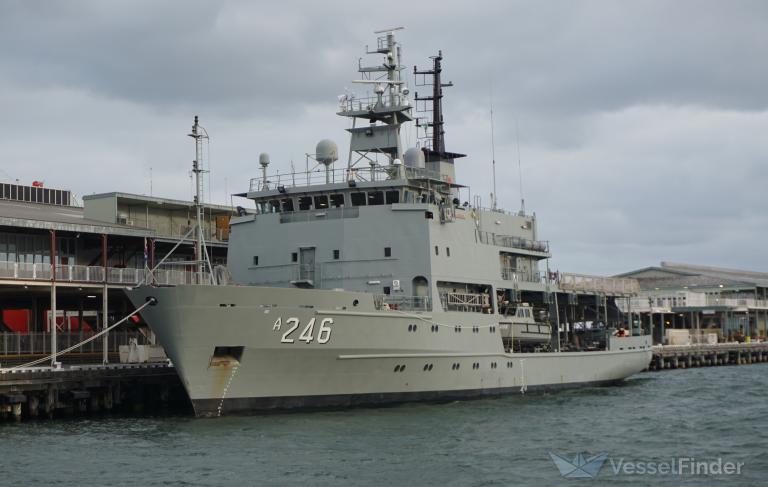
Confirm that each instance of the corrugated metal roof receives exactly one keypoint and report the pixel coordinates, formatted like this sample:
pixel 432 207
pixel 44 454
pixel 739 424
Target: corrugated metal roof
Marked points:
pixel 686 275
pixel 155 202
pixel 62 218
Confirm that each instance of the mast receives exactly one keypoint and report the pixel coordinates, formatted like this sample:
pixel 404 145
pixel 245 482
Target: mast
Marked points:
pixel 198 133
pixel 384 112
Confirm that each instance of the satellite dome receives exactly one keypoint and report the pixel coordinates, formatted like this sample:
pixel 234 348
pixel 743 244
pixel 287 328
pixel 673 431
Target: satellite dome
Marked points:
pixel 326 152
pixel 264 159
pixel 414 157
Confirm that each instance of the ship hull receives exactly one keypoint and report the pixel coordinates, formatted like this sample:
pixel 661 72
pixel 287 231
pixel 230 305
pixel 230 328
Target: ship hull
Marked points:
pixel 243 348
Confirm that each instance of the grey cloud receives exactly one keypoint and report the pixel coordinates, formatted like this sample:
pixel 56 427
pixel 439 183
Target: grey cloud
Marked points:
pixel 641 124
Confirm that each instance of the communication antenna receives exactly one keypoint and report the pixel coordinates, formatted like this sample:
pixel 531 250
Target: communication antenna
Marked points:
pixel 493 159
pixel 199 133
pixel 519 168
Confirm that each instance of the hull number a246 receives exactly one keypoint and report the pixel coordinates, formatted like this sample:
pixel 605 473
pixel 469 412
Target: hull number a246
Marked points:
pixel 307 334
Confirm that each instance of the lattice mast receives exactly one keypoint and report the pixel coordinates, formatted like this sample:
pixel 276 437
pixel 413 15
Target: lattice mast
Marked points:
pixel 384 112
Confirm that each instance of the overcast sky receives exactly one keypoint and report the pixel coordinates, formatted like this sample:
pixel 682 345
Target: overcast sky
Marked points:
pixel 643 126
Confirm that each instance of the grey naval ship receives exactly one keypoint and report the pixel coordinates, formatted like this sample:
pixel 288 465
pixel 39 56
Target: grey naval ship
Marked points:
pixel 372 283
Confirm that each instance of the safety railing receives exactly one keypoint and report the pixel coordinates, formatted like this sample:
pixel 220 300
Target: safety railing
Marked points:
pixel 96 275
pixel 352 103
pixel 597 284
pixel 39 343
pixel 465 302
pixel 402 303
pixel 509 274
pixel 510 241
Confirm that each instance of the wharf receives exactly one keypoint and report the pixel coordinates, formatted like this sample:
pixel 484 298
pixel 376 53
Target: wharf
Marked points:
pixel 705 355
pixel 83 389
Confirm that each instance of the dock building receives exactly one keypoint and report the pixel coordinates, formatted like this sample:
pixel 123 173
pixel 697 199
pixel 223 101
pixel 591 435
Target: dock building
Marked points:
pixel 730 303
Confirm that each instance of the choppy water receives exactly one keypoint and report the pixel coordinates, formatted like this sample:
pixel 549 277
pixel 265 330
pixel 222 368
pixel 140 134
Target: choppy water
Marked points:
pixel 703 413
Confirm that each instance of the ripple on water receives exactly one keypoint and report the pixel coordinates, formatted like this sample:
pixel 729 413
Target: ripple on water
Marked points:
pixel 704 413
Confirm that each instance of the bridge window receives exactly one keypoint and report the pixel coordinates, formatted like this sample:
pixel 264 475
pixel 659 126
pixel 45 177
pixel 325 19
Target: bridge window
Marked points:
pixel 288 204
pixel 358 199
pixel 305 203
pixel 393 197
pixel 274 206
pixel 375 198
pixel 321 201
pixel 337 200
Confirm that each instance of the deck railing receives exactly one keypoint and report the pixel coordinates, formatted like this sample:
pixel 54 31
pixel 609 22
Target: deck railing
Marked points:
pixel 96 274
pixel 509 274
pixel 513 242
pixel 465 302
pixel 402 303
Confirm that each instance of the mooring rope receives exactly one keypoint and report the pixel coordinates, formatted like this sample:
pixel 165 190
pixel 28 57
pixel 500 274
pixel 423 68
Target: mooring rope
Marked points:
pixel 89 339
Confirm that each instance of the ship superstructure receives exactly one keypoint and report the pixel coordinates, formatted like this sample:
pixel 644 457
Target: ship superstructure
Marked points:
pixel 379 281
pixel 391 222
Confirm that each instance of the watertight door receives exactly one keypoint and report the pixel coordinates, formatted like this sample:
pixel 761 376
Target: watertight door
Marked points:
pixel 307 264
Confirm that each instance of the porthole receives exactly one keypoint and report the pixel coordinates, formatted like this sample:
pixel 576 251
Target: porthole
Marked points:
pixel 402 368
pixel 426 367
pixel 415 327
pixel 430 366
pixel 397 368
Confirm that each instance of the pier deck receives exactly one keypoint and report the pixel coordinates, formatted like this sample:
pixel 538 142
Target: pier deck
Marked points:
pixel 684 356
pixel 79 389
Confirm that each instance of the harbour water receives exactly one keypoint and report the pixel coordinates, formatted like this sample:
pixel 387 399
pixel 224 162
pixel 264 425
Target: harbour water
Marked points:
pixel 708 414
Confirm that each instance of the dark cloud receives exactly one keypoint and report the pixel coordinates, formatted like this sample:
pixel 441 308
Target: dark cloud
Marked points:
pixel 640 124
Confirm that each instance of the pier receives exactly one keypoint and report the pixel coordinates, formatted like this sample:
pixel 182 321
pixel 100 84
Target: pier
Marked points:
pixel 706 355
pixel 87 389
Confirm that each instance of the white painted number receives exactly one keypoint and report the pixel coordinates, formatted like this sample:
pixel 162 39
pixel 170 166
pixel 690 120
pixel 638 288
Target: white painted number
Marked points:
pixel 306 335
pixel 294 322
pixel 324 334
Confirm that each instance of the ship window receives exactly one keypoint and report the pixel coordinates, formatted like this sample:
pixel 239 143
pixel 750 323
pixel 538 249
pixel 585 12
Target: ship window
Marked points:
pixel 255 260
pixel 337 200
pixel 375 198
pixel 447 251
pixel 288 204
pixel 387 251
pixel 294 256
pixel 437 250
pixel 358 199
pixel 321 201
pixel 393 197
pixel 387 290
pixel 305 203
pixel 336 255
pixel 429 215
